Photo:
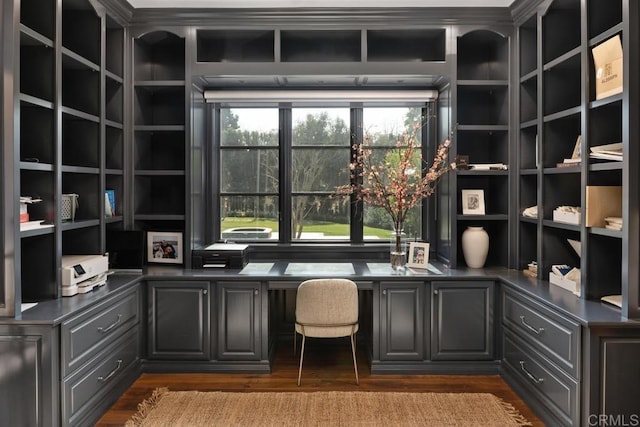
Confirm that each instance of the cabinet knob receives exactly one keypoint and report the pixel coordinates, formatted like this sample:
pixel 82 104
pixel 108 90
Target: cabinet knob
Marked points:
pixel 204 291
pixel 384 292
pixel 256 292
pixel 435 292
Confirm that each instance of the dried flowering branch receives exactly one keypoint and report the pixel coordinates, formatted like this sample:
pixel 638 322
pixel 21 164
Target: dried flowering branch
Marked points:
pixel 398 182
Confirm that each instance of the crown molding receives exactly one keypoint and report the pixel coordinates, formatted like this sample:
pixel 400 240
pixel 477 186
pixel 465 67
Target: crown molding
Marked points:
pixel 324 17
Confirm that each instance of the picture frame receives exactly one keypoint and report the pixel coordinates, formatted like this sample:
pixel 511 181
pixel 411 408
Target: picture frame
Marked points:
pixel 473 202
pixel 164 247
pixel 577 148
pixel 418 255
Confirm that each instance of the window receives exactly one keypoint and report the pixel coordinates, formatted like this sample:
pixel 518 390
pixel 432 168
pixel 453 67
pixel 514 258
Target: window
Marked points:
pixel 320 153
pixel 278 165
pixel 384 127
pixel 249 173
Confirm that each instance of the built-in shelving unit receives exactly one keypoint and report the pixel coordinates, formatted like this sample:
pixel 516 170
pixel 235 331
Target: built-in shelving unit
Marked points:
pixel 321 46
pixel 559 84
pixel 65 123
pixel 528 147
pixel 482 134
pixel 159 126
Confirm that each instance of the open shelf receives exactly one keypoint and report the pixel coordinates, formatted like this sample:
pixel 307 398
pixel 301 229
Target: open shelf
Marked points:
pixel 406 45
pixel 561 24
pixel 320 46
pixel 235 45
pixel 159 56
pixel 81 29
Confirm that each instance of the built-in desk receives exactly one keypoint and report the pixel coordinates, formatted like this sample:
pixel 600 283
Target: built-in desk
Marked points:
pixel 413 321
pixel 569 358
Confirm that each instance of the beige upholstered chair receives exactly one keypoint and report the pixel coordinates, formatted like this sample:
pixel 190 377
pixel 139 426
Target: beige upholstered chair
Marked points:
pixel 326 308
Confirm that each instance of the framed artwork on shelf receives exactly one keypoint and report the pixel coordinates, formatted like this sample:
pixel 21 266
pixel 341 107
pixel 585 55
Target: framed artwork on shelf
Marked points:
pixel 418 255
pixel 473 202
pixel 164 247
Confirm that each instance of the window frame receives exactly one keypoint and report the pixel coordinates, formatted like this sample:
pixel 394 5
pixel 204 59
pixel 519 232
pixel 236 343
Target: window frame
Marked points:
pixel 285 156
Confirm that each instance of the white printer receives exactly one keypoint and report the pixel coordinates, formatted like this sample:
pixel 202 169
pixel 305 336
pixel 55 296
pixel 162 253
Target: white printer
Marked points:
pixel 82 273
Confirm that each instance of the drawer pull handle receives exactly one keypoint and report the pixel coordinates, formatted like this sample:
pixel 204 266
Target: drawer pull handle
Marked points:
pixel 111 374
pixel 536 331
pixel 529 374
pixel 111 326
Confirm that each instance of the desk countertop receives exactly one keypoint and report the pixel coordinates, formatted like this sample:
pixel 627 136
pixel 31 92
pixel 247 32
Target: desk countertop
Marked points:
pixel 288 274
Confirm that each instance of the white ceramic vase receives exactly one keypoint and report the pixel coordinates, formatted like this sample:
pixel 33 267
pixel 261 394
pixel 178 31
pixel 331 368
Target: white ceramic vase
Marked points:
pixel 475 246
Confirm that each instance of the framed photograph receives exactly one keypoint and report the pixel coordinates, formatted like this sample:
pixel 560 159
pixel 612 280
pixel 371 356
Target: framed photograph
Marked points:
pixel 473 202
pixel 418 255
pixel 164 247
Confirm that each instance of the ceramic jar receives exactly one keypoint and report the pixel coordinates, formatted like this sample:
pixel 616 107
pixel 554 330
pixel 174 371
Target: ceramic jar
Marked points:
pixel 475 246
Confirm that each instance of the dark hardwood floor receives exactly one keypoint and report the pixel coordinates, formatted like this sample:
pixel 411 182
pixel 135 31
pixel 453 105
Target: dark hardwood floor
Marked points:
pixel 326 368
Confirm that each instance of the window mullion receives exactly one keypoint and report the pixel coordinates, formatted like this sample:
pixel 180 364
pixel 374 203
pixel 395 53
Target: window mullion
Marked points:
pixel 357 207
pixel 285 136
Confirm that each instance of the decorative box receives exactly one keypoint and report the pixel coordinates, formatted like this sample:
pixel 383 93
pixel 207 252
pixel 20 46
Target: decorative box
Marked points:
pixel 567 217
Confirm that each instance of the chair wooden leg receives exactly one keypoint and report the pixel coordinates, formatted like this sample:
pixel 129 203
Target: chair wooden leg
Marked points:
pixel 295 339
pixel 301 357
pixel 355 365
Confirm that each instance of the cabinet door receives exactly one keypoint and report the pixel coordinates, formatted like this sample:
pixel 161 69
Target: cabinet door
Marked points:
pixel 179 327
pixel 401 321
pixel 462 321
pixel 29 376
pixel 614 375
pixel 239 320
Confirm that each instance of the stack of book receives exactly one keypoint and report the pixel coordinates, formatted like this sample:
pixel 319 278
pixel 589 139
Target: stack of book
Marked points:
pixel 568 163
pixel 488 166
pixel 607 152
pixel 531 270
pixel 613 223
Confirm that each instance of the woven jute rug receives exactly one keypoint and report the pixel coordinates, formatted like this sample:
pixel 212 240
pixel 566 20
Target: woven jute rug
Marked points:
pixel 333 408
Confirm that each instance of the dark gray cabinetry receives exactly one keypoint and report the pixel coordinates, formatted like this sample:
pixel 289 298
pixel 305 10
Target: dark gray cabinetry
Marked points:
pixel 614 375
pixel 29 376
pixel 462 320
pixel 402 321
pixel 159 123
pixel 240 321
pixel 179 320
pixel 100 356
pixel 541 352
pixel 62 135
pixel 70 373
pixel 558 105
pixel 482 116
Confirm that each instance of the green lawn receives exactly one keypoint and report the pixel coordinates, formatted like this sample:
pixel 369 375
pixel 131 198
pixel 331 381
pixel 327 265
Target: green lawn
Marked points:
pixel 328 228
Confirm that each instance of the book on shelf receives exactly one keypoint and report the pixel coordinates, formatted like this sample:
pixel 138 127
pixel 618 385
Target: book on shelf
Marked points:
pixel 613 223
pixel 109 203
pixel 607 152
pixel 487 166
pixel 568 164
pixel 32 225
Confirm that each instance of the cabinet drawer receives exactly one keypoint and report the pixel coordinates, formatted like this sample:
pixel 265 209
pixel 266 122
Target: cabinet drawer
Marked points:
pixel 557 391
pixel 89 385
pixel 555 336
pixel 85 334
